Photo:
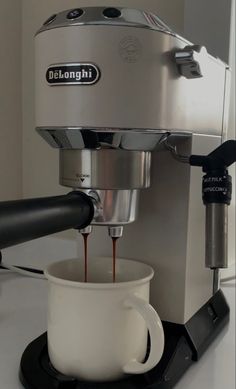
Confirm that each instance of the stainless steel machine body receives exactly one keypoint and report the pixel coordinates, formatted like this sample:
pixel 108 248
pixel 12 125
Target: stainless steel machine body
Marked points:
pixel 111 89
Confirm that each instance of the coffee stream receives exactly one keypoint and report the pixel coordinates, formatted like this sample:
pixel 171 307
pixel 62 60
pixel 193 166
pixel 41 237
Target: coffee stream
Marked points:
pixel 114 248
pixel 85 236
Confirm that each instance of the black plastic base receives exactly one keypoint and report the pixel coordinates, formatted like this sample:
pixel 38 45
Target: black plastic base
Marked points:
pixel 184 344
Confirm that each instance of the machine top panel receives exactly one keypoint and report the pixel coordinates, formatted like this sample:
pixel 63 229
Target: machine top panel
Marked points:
pixel 115 16
pixel 121 68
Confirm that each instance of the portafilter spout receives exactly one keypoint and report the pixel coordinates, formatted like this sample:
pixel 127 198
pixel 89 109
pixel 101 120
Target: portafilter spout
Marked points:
pixel 115 231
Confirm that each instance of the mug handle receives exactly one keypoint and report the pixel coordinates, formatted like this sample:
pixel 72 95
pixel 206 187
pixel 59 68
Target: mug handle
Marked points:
pixel 156 332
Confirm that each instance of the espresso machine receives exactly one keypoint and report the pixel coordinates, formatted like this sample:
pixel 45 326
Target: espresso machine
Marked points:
pixel 137 113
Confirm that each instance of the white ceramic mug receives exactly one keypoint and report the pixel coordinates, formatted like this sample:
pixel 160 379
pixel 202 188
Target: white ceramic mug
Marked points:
pixel 97 331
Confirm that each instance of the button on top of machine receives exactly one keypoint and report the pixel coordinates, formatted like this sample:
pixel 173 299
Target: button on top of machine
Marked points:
pixel 50 20
pixel 75 13
pixel 112 13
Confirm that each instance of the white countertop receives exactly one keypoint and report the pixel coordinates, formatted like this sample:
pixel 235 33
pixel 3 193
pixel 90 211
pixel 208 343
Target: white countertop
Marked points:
pixel 23 318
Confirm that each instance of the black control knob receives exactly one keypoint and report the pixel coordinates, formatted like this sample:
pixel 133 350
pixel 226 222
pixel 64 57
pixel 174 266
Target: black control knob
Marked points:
pixel 75 13
pixel 112 13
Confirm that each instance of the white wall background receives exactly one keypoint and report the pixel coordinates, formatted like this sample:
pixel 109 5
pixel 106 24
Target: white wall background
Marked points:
pixel 207 22
pixel 10 100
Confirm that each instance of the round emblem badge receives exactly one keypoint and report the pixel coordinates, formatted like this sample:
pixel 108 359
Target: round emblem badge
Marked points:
pixel 130 49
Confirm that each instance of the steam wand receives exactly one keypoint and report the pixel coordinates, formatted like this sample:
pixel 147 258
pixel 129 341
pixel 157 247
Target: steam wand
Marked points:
pixel 216 194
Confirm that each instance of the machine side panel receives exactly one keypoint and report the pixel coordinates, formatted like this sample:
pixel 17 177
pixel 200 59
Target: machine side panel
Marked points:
pixel 139 84
pixel 159 235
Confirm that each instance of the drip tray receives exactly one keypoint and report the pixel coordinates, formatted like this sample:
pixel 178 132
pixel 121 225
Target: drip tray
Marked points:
pixel 183 345
pixel 37 372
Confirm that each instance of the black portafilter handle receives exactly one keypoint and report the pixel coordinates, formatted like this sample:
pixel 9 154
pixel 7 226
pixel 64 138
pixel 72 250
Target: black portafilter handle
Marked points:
pixel 216 195
pixel 24 220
